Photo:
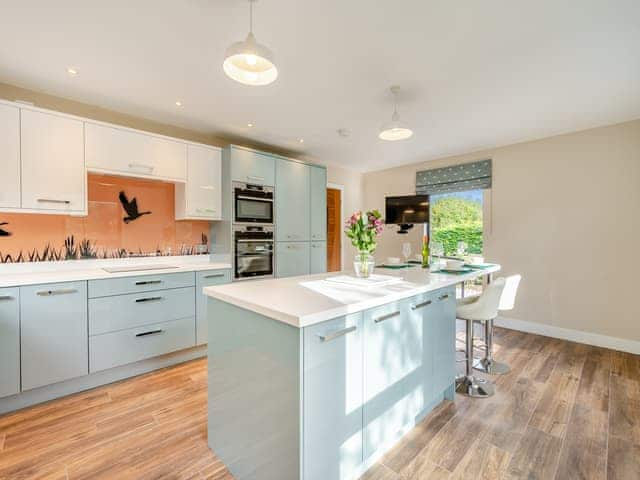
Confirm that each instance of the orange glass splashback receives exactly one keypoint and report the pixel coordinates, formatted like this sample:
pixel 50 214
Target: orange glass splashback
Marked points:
pixel 108 231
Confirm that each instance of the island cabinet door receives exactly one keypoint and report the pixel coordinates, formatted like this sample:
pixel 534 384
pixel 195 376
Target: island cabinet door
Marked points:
pixel 443 326
pixel 292 201
pixel 332 443
pixel 418 354
pixel 386 364
pixel 54 333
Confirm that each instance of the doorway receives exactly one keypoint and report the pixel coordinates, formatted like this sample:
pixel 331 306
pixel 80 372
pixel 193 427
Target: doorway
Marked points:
pixel 334 228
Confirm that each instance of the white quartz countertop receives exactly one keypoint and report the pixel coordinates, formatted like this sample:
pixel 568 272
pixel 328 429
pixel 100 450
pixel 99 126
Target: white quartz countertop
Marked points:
pixel 305 300
pixel 15 275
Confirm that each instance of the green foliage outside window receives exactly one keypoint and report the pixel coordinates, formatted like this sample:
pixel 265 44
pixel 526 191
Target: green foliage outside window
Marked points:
pixel 455 219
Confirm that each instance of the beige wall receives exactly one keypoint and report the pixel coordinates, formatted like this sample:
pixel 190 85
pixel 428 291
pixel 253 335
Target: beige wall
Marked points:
pixel 351 201
pixel 565 213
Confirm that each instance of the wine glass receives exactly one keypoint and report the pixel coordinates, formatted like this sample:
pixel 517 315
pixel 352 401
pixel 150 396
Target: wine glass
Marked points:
pixel 406 252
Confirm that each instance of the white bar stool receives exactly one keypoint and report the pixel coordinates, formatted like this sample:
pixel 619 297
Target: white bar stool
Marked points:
pixel 471 309
pixel 507 301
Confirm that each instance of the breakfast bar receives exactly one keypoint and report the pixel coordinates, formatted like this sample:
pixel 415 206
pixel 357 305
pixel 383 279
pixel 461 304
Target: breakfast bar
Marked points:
pixel 317 376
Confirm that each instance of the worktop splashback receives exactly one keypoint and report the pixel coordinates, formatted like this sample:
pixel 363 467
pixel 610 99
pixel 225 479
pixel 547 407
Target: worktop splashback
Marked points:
pixel 127 218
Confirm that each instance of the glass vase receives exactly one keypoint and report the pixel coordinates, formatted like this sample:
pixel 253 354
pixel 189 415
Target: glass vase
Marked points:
pixel 363 264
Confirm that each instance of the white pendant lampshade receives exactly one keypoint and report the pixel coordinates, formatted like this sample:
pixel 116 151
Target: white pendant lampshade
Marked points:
pixel 248 62
pixel 395 130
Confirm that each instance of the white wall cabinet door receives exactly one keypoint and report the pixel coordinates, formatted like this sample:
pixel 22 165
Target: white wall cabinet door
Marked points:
pixel 10 156
pixel 134 154
pixel 52 155
pixel 200 197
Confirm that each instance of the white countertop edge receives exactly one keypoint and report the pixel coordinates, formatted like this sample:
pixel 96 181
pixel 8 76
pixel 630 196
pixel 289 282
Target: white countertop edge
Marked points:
pixel 9 280
pixel 347 309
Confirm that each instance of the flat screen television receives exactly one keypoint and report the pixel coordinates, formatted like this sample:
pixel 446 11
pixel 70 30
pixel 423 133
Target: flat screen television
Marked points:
pixel 407 210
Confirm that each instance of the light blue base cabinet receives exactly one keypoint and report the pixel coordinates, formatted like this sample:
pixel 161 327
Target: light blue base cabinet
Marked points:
pixel 206 279
pixel 9 341
pixel 318 257
pixel 326 401
pixel 54 334
pixel 292 258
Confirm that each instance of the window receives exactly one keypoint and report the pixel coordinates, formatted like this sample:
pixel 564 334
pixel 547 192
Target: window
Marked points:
pixel 457 217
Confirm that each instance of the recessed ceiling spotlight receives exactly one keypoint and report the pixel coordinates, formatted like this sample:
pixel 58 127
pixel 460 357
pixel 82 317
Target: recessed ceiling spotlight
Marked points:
pixel 72 71
pixel 178 103
pixel 395 130
pixel 301 140
pixel 249 125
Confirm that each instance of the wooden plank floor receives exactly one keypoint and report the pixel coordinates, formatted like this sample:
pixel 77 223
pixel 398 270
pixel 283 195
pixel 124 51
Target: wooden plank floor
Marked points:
pixel 565 411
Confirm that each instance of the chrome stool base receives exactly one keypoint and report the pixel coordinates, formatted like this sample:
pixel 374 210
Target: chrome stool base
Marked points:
pixel 491 366
pixel 474 387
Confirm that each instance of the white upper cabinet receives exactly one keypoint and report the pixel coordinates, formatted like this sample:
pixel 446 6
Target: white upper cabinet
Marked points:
pixel 9 157
pixel 133 154
pixel 53 171
pixel 200 197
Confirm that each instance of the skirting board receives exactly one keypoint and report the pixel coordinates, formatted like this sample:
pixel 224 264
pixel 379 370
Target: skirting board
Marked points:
pixel 621 344
pixel 93 380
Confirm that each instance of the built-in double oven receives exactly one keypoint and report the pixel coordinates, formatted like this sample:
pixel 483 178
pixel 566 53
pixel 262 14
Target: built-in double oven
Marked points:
pixel 252 204
pixel 253 247
pixel 253 229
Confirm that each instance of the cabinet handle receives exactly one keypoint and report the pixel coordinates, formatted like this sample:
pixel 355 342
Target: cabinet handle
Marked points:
pixel 148 299
pixel 334 335
pixel 215 275
pixel 5 298
pixel 443 297
pixel 253 177
pixel 148 282
pixel 386 317
pixel 421 305
pixel 151 332
pixel 142 165
pixel 53 200
pixel 209 210
pixel 207 187
pixel 63 291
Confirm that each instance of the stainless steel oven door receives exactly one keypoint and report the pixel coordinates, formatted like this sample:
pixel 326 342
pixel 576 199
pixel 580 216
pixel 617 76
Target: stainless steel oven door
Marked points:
pixel 253 258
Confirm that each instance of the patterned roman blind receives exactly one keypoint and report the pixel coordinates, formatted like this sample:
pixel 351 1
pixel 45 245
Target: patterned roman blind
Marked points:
pixel 458 178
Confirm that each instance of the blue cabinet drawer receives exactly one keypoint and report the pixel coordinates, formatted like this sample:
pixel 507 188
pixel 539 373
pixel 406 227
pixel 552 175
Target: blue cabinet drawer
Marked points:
pixel 120 312
pixel 141 283
pixel 127 346
pixel 206 279
pixel 9 341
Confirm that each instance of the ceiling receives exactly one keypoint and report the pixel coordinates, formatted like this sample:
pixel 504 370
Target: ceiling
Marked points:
pixel 473 74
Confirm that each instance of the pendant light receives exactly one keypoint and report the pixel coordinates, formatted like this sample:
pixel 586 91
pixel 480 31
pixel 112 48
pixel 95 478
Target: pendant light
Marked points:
pixel 248 62
pixel 395 130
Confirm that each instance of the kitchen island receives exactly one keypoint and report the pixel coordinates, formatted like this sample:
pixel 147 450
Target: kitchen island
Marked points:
pixel 312 379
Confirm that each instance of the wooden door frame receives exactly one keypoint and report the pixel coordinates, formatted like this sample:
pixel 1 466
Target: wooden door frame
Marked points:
pixel 337 186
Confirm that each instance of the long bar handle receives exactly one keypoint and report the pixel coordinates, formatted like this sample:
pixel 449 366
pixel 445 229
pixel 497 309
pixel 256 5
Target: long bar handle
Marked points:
pixel 421 305
pixel 142 165
pixel 151 332
pixel 63 291
pixel 386 317
pixel 148 299
pixel 5 298
pixel 253 177
pixel 339 333
pixel 215 275
pixel 53 200
pixel 443 297
pixel 148 282
pixel 257 199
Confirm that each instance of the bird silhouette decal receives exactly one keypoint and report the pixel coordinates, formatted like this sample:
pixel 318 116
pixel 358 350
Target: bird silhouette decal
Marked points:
pixel 131 208
pixel 4 233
